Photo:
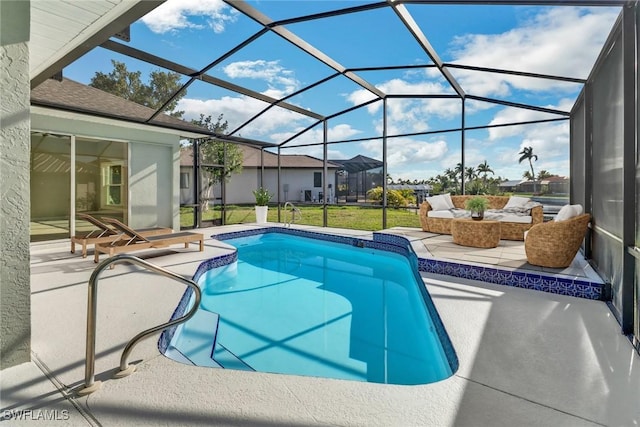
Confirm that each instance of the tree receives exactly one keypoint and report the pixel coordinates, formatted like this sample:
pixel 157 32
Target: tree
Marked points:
pixel 128 85
pixel 453 177
pixel 527 154
pixel 214 154
pixel 483 168
pixel 544 174
pixel 527 175
pixel 470 178
pixel 459 172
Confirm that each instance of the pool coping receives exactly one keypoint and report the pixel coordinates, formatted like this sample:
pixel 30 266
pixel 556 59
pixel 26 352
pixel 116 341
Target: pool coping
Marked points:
pixel 421 261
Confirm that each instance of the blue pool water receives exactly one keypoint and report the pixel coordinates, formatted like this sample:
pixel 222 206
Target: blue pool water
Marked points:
pixel 296 305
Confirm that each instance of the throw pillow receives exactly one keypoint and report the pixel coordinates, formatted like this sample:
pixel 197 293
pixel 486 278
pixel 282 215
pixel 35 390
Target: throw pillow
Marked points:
pixel 447 199
pixel 516 202
pixel 438 203
pixel 568 211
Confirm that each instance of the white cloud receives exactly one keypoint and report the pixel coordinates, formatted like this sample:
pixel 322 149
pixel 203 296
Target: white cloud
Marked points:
pixel 174 15
pixel 238 109
pixel 563 41
pixel 315 135
pixel 269 71
pixel 517 115
pixel 406 151
pixel 549 141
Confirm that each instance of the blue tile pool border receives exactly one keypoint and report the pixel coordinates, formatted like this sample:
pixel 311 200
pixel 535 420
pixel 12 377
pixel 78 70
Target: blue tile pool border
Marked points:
pixel 539 281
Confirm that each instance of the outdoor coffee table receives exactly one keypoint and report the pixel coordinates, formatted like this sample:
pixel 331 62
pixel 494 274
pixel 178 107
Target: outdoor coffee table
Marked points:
pixel 478 234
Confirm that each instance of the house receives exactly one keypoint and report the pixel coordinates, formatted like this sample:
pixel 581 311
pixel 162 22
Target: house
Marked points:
pixel 300 178
pixel 509 186
pixel 120 164
pixel 555 185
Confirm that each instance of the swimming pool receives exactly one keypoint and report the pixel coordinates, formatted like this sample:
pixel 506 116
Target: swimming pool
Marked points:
pixel 296 305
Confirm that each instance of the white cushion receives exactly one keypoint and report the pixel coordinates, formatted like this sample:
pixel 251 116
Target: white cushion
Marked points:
pixel 499 215
pixel 520 219
pixel 516 202
pixel 440 214
pixel 441 202
pixel 447 198
pixel 568 211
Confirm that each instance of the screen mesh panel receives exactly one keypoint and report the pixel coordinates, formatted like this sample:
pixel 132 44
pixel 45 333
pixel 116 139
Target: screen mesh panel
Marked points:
pixel 607 149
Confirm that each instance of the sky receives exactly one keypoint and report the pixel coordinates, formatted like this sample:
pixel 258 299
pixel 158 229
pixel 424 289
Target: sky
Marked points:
pixel 561 41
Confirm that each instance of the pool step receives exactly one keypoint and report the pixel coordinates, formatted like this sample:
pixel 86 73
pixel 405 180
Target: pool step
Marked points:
pixel 228 360
pixel 195 342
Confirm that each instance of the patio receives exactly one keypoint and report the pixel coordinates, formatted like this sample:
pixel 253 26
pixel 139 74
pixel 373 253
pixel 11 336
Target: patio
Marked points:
pixel 527 358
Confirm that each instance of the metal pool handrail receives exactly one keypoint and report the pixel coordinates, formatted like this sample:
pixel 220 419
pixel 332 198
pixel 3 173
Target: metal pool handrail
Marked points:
pixel 294 210
pixel 90 385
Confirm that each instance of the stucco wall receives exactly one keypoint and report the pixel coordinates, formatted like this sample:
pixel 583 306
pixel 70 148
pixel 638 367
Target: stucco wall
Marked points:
pixel 15 295
pixel 239 188
pixel 154 188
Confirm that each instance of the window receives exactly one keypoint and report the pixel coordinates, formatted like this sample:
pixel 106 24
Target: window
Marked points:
pixel 184 179
pixel 112 183
pixel 317 179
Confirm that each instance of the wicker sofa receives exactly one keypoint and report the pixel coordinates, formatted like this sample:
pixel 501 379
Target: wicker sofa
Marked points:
pixel 508 231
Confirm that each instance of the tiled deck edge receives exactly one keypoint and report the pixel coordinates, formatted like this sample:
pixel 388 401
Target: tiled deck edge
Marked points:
pixel 537 281
pixel 581 288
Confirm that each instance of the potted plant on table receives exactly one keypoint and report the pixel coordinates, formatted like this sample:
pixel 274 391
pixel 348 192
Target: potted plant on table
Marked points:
pixel 262 198
pixel 477 206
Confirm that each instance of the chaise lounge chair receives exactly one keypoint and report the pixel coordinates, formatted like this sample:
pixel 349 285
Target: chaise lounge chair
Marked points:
pixel 130 240
pixel 105 234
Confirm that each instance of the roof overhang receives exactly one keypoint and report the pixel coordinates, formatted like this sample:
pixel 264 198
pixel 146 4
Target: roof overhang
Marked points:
pixel 62 32
pixel 113 121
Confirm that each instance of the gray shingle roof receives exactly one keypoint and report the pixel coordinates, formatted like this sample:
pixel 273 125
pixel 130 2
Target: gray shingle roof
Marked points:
pixel 251 159
pixel 73 96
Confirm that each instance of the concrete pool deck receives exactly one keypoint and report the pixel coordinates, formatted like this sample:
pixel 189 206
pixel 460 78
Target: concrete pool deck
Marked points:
pixel 527 358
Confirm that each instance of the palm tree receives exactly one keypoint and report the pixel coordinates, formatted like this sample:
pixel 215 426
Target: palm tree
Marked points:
pixel 527 175
pixel 469 176
pixel 470 173
pixel 483 168
pixel 453 176
pixel 459 174
pixel 527 154
pixel 544 174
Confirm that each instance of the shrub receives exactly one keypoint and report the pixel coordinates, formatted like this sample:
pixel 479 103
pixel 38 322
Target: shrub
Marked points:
pixel 394 197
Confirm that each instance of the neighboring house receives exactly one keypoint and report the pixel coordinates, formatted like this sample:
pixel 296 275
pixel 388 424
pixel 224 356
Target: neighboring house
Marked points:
pixel 115 165
pixel 300 178
pixel 552 185
pixel 509 186
pixel 529 187
pixel 555 185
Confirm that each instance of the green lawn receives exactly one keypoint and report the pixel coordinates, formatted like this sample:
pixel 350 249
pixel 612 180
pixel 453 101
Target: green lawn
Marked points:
pixel 352 217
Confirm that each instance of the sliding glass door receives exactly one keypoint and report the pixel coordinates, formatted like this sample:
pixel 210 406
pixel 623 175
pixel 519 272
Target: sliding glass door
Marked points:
pixel 50 186
pixel 101 187
pixel 72 175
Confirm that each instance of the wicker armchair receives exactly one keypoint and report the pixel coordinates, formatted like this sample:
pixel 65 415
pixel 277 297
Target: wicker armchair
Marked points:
pixel 555 243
